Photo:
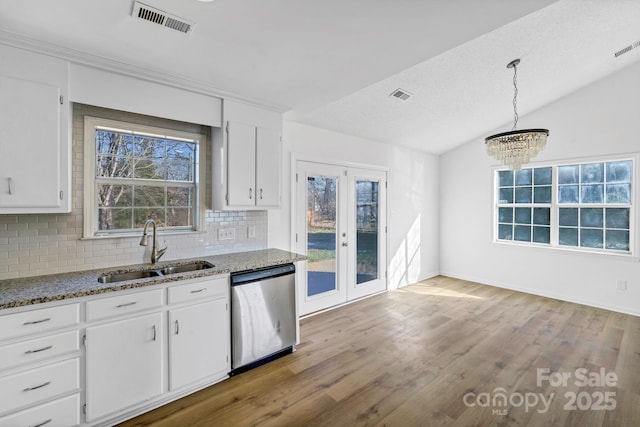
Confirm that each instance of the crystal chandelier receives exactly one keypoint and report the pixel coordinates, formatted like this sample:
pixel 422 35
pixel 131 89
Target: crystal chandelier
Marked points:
pixel 516 147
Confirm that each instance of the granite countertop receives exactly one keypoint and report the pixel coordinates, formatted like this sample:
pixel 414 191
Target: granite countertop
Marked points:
pixel 54 287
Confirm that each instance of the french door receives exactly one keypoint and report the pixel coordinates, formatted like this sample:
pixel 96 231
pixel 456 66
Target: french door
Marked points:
pixel 341 227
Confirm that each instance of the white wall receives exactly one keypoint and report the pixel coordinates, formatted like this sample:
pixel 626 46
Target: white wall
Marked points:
pixel 412 196
pixel 600 119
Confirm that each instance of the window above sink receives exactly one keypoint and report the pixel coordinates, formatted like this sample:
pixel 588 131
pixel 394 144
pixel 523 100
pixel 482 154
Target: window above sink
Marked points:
pixel 135 172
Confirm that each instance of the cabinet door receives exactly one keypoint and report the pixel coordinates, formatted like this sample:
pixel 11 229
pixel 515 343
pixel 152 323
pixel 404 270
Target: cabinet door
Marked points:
pixel 268 167
pixel 30 143
pixel 124 364
pixel 241 169
pixel 198 343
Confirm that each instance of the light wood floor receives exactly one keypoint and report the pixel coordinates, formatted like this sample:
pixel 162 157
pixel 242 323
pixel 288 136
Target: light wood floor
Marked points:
pixel 409 357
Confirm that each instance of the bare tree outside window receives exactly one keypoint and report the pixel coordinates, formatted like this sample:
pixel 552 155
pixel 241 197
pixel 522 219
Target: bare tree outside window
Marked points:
pixel 140 176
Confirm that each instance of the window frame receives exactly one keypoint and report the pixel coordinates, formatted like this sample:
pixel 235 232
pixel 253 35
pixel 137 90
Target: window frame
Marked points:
pixel 634 238
pixel 90 214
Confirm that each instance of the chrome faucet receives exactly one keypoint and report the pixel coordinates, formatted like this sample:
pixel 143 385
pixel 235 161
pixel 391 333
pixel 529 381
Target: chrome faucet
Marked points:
pixel 155 253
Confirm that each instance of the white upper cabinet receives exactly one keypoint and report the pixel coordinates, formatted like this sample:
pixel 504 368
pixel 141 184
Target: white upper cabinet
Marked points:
pixel 247 158
pixel 268 167
pixel 241 161
pixel 35 147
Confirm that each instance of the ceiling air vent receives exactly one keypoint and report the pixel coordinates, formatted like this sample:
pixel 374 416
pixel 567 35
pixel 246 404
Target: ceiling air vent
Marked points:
pixel 400 94
pixel 627 49
pixel 160 17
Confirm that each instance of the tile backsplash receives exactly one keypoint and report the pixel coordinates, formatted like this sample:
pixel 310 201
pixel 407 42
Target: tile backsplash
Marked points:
pixel 32 245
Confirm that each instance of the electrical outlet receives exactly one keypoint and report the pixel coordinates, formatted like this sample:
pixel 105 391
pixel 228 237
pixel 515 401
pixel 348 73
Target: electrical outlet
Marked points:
pixel 621 285
pixel 251 232
pixel 226 233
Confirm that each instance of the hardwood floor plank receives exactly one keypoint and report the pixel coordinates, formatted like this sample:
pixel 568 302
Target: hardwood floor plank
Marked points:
pixel 438 353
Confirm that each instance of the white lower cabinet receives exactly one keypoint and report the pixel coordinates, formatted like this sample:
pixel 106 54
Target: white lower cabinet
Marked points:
pixel 198 349
pixel 40 364
pixel 132 361
pixel 39 384
pixel 123 364
pixel 63 412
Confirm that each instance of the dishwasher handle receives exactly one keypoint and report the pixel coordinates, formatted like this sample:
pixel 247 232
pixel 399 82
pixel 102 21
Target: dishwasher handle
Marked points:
pixel 246 277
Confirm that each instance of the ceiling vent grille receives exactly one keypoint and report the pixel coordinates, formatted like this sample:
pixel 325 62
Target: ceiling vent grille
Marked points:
pixel 627 49
pixel 160 17
pixel 400 94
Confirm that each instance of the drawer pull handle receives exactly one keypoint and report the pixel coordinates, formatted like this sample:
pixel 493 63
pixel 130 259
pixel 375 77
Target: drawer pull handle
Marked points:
pixel 34 322
pixel 154 332
pixel 39 350
pixel 37 387
pixel 42 423
pixel 126 304
pixel 195 291
pixel 177 328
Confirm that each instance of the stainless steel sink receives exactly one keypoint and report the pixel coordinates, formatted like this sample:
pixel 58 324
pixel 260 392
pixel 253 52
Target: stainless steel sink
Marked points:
pixel 132 275
pixel 144 274
pixel 185 268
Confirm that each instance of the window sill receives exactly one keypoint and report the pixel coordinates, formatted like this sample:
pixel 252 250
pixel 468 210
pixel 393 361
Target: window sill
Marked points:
pixel 138 235
pixel 570 250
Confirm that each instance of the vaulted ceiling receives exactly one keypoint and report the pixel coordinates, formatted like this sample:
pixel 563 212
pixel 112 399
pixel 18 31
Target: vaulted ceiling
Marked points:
pixel 333 63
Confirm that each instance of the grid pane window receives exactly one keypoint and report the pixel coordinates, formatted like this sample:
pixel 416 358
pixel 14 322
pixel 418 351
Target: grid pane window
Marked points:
pixel 140 176
pixel 584 205
pixel 524 205
pixel 594 205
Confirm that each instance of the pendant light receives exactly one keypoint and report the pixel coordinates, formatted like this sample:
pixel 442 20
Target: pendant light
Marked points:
pixel 516 147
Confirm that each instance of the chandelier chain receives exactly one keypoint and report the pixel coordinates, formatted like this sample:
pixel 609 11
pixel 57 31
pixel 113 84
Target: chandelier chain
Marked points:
pixel 515 96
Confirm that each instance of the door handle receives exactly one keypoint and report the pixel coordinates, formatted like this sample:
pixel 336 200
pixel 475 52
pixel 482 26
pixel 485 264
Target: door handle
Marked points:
pixel 10 183
pixel 177 328
pixel 154 332
pixel 250 193
pixel 345 244
pixel 261 194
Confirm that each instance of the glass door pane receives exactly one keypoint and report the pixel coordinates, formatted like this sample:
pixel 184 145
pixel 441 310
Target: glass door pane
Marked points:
pixel 366 231
pixel 321 234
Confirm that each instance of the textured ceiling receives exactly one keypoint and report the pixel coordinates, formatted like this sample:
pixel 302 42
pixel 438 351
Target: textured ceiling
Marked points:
pixel 333 63
pixel 466 92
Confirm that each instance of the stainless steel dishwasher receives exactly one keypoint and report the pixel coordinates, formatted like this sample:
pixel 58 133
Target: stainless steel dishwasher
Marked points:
pixel 263 316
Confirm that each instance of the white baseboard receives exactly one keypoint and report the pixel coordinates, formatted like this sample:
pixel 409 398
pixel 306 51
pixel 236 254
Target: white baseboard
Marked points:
pixel 546 294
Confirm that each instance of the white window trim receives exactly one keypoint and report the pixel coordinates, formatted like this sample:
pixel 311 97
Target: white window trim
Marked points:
pixel 90 204
pixel 634 216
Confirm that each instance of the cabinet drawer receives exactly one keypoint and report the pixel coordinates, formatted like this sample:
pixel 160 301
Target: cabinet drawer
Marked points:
pixel 38 349
pixel 63 412
pixel 210 288
pixel 38 384
pixel 123 304
pixel 34 321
